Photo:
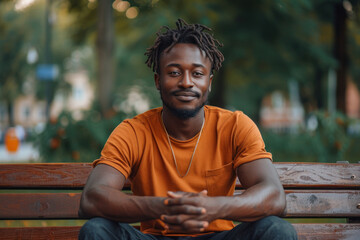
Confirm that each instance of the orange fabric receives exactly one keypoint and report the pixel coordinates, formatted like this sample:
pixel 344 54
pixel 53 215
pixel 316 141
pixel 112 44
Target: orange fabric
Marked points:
pixel 139 149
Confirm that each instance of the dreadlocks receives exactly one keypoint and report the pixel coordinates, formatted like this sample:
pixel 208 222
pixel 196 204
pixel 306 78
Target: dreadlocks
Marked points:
pixel 185 33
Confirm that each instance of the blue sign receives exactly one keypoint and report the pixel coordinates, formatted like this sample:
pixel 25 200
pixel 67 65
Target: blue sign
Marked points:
pixel 47 72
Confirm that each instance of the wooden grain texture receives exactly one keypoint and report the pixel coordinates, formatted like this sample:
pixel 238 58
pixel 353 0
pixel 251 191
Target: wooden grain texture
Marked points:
pixel 40 233
pixel 300 203
pixel 331 231
pixel 322 203
pixel 319 175
pixel 74 175
pixel 44 175
pixel 39 205
pixel 305 232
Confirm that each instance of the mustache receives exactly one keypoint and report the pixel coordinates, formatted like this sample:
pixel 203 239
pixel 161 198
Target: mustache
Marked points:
pixel 186 91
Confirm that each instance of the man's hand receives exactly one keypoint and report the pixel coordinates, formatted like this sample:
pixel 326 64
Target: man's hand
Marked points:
pixel 189 212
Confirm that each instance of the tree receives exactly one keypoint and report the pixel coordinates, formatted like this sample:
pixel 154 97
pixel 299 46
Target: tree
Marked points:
pixel 16 38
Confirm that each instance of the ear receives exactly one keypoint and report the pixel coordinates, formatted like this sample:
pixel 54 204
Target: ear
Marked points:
pixel 157 81
pixel 210 81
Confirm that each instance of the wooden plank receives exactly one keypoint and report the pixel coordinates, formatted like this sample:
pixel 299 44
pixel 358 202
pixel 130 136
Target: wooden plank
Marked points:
pixel 40 233
pixel 319 175
pixel 300 203
pixel 74 175
pixel 39 205
pixel 322 203
pixel 331 231
pixel 44 175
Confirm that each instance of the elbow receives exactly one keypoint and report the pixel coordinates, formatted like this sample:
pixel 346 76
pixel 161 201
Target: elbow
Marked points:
pixel 279 208
pixel 277 203
pixel 81 213
pixel 87 208
pixel 84 210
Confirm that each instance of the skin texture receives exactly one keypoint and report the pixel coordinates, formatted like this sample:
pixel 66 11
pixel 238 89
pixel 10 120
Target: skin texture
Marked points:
pixel 184 82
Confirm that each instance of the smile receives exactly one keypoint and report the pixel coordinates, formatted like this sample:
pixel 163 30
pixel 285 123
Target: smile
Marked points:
pixel 186 96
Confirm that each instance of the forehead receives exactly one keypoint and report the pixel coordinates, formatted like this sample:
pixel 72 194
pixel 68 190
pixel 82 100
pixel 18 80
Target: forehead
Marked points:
pixel 184 54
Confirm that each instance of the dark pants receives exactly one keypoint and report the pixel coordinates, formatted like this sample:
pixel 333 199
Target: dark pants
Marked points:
pixel 266 228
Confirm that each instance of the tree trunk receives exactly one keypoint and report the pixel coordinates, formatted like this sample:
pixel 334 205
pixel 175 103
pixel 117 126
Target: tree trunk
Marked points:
pixel 340 55
pixel 10 112
pixel 318 87
pixel 105 55
pixel 217 96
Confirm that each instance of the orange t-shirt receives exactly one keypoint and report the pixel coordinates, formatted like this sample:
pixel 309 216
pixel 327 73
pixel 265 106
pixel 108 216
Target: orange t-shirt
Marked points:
pixel 139 149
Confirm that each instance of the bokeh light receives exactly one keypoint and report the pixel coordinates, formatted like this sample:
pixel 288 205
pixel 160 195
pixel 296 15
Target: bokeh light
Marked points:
pixel 132 13
pixel 121 6
pixel 23 4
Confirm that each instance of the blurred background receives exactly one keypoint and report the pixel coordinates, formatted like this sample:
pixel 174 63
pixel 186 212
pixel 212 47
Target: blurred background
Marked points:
pixel 71 70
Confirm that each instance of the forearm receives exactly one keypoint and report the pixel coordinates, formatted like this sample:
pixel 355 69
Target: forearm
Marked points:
pixel 118 206
pixel 259 201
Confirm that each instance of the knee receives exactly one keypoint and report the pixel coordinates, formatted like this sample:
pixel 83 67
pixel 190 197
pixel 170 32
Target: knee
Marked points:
pixel 273 227
pixel 96 228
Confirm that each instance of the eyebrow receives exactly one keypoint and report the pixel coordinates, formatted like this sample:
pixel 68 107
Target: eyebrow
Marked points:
pixel 178 65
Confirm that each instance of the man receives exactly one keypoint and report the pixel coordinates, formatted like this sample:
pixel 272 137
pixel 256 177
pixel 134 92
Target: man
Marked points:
pixel 183 159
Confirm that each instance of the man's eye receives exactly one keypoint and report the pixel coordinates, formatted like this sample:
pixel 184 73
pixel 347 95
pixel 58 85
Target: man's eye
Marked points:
pixel 198 74
pixel 174 73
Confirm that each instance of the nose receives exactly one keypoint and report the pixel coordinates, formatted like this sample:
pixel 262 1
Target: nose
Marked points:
pixel 186 81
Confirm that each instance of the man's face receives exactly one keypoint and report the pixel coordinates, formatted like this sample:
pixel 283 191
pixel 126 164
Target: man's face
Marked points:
pixel 184 79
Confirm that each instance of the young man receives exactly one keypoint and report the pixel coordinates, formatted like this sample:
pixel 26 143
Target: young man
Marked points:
pixel 183 159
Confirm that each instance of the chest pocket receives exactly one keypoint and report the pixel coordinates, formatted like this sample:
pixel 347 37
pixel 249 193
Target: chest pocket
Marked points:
pixel 221 181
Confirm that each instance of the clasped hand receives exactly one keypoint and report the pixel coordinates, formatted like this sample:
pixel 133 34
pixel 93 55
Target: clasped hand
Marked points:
pixel 189 212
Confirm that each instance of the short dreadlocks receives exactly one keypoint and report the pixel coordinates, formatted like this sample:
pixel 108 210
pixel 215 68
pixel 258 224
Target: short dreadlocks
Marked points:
pixel 185 33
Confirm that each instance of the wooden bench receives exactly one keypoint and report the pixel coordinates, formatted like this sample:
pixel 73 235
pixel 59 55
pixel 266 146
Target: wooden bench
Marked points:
pixel 313 190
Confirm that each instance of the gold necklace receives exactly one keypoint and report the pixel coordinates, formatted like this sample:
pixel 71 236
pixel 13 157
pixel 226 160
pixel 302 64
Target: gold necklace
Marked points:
pixel 172 150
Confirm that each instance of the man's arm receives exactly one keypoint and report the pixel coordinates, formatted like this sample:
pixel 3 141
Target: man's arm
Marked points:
pixel 102 197
pixel 263 196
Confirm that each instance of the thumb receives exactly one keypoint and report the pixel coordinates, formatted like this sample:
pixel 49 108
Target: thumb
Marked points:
pixel 204 193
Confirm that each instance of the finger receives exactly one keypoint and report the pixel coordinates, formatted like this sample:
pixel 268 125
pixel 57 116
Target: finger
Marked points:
pixel 185 220
pixel 175 194
pixel 204 193
pixel 181 201
pixel 180 194
pixel 174 219
pixel 185 209
pixel 189 226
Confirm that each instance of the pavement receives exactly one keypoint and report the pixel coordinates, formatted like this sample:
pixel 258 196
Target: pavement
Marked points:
pixel 25 153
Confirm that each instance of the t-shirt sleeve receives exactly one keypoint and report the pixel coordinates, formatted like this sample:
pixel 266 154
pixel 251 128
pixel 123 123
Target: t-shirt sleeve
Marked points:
pixel 248 142
pixel 120 150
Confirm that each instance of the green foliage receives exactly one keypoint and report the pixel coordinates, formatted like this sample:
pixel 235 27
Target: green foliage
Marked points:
pixel 330 142
pixel 68 140
pixel 13 50
pixel 332 135
pixel 20 31
pixel 266 43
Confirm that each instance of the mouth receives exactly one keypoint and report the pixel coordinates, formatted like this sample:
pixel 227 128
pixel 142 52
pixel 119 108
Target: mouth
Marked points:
pixel 186 96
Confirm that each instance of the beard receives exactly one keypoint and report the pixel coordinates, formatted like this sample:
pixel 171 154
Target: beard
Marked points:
pixel 181 112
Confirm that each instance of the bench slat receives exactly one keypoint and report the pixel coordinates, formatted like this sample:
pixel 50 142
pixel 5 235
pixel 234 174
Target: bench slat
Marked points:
pixel 39 205
pixel 74 175
pixel 319 175
pixel 40 233
pixel 331 231
pixel 300 203
pixel 323 203
pixel 44 175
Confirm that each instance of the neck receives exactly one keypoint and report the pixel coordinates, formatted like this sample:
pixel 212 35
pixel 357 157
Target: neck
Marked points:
pixel 182 129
